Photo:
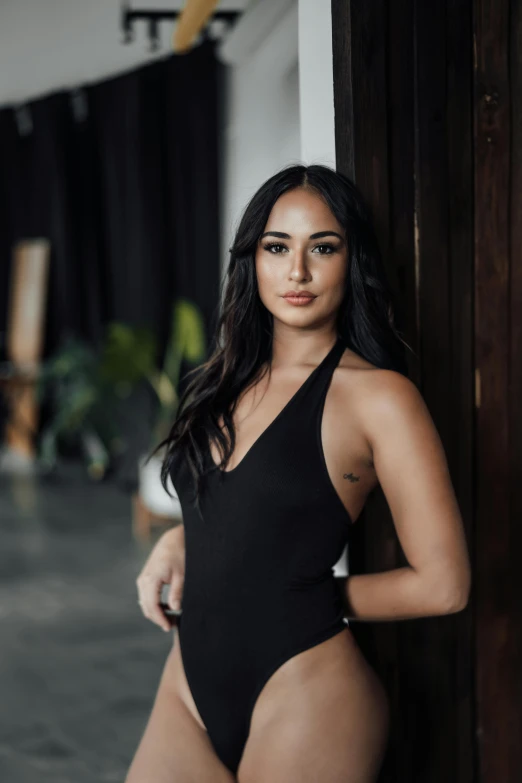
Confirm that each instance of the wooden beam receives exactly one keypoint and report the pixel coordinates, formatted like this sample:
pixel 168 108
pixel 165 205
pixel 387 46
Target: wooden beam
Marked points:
pixel 193 18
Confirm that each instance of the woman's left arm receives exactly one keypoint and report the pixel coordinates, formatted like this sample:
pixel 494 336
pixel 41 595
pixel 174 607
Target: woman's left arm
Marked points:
pixel 412 470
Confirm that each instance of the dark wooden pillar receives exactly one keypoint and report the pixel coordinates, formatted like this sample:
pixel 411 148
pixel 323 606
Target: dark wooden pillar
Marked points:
pixel 403 90
pixel 498 362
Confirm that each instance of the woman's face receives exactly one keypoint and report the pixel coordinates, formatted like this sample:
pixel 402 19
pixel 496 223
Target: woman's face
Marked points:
pixel 302 248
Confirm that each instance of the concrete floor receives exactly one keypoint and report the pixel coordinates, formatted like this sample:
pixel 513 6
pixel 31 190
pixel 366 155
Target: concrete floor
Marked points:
pixel 79 664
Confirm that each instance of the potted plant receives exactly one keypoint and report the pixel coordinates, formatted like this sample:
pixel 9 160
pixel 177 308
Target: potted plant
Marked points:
pixel 88 385
pixel 83 404
pixel 135 349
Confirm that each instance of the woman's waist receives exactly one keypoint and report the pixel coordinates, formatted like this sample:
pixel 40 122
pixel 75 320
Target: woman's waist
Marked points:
pixel 284 601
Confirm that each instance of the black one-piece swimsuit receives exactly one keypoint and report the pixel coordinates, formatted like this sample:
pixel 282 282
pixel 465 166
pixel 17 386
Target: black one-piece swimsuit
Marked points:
pixel 259 579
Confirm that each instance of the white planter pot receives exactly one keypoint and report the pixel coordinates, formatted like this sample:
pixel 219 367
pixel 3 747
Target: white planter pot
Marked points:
pixel 151 491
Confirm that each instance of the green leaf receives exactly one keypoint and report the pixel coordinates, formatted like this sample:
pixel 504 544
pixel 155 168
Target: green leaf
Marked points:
pixel 129 354
pixel 187 339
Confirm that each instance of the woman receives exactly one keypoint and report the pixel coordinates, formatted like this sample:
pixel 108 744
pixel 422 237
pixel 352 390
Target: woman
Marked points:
pixel 296 417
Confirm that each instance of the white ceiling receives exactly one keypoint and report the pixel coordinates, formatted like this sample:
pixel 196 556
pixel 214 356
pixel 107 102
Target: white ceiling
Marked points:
pixel 46 45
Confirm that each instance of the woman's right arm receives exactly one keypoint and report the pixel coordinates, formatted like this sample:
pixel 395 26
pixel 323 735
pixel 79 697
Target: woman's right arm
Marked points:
pixel 165 565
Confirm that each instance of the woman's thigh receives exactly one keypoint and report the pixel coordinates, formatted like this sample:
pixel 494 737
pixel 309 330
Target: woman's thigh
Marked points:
pixel 324 716
pixel 175 748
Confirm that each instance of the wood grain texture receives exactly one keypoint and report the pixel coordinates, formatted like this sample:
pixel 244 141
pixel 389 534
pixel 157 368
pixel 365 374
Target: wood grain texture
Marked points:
pixel 497 355
pixel 405 104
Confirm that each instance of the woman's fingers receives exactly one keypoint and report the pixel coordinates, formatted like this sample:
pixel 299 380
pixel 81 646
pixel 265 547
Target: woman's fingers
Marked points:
pixel 165 565
pixel 176 590
pixel 149 589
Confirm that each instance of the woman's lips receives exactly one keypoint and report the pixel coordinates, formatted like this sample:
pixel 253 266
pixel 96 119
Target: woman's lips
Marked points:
pixel 300 301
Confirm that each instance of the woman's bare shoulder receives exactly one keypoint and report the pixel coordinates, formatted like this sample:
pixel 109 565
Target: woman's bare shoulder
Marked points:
pixel 358 374
pixel 374 385
pixel 376 398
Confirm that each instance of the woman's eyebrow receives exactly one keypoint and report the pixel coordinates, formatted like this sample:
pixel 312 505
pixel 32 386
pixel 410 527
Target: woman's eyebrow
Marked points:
pixel 318 235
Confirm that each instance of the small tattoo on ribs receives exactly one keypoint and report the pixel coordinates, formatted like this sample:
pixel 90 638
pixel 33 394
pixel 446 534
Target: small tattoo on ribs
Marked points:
pixel 351 477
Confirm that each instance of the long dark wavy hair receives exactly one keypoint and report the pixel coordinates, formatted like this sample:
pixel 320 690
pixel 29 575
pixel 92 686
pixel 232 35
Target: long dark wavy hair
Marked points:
pixel 366 319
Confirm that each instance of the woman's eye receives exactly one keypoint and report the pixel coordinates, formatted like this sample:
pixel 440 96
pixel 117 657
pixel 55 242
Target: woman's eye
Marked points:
pixel 271 245
pixel 330 249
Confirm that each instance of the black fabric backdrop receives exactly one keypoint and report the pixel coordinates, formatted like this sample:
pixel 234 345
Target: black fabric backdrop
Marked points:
pixel 124 179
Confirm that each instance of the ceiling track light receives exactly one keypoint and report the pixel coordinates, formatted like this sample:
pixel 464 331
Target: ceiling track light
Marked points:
pixel 153 18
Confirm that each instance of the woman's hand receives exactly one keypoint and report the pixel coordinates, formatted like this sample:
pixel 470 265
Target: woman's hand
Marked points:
pixel 165 565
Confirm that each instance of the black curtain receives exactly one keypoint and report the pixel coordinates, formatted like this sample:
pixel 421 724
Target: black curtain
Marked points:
pixel 123 177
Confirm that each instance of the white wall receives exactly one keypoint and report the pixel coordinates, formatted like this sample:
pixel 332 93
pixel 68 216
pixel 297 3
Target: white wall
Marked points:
pixel 316 82
pixel 262 129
